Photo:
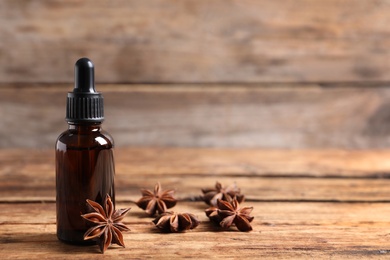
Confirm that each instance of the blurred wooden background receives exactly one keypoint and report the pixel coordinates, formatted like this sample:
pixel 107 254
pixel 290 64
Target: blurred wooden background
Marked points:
pixel 202 73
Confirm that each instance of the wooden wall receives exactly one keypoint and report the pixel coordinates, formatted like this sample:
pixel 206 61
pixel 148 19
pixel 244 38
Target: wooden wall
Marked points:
pixel 265 115
pixel 202 73
pixel 196 41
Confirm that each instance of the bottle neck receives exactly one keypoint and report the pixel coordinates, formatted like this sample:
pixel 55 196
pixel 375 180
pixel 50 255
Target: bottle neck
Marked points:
pixel 85 127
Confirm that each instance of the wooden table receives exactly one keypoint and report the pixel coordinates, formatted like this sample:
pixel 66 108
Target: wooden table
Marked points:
pixel 331 204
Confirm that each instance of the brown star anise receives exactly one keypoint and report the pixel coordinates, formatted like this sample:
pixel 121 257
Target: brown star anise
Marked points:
pixel 176 222
pixel 212 214
pixel 223 193
pixel 229 213
pixel 157 201
pixel 108 228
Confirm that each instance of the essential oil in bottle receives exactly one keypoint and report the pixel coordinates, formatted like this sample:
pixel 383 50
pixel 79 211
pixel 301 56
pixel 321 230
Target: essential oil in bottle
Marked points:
pixel 84 157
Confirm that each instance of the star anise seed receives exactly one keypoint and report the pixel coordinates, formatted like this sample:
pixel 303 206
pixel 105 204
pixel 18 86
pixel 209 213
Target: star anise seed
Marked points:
pixel 108 228
pixel 223 193
pixel 176 222
pixel 231 213
pixel 157 201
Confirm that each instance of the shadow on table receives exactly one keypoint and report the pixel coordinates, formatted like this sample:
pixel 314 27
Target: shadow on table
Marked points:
pixel 45 242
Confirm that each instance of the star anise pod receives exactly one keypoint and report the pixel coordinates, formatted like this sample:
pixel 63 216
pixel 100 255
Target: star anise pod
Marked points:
pixel 212 214
pixel 211 196
pixel 108 228
pixel 228 213
pixel 156 201
pixel 176 222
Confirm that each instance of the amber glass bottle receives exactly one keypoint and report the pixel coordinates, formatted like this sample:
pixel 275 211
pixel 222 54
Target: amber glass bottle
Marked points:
pixel 84 157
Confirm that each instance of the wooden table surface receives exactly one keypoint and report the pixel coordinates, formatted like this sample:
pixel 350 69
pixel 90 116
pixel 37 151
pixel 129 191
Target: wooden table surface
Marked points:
pixel 327 204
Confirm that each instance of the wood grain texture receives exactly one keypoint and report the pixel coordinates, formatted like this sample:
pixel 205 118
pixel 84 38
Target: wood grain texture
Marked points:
pixel 264 175
pixel 257 188
pixel 196 40
pixel 253 116
pixel 270 214
pixel 281 231
pixel 337 209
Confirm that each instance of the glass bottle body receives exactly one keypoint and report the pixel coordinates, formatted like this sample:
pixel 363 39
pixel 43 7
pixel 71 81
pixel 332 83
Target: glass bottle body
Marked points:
pixel 84 170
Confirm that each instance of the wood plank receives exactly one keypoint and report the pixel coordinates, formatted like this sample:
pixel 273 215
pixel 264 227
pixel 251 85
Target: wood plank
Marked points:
pixel 288 116
pixel 263 175
pixel 195 40
pixel 180 162
pixel 281 230
pixel 271 214
pixel 255 189
pixel 264 189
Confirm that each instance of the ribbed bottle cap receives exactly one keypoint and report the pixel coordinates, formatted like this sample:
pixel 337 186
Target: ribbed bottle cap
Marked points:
pixel 84 104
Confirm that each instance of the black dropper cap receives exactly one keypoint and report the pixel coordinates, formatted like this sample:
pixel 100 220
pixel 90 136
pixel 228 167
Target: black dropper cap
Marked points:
pixel 84 104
